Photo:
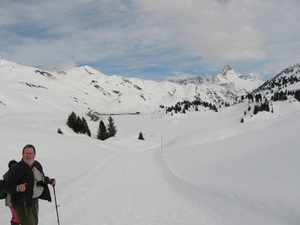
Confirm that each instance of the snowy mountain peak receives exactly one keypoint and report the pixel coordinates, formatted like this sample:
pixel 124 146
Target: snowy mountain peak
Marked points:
pixel 227 70
pixel 229 73
pixel 225 86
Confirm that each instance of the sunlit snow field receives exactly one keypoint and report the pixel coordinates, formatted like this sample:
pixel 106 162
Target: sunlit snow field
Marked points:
pixel 196 168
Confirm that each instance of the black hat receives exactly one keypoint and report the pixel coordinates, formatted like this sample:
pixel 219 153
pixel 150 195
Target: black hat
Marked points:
pixel 11 163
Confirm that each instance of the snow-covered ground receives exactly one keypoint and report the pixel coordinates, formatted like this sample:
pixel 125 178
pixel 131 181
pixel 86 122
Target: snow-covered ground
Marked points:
pixel 196 168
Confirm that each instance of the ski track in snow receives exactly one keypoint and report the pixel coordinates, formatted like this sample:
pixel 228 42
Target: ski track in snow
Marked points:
pixel 130 189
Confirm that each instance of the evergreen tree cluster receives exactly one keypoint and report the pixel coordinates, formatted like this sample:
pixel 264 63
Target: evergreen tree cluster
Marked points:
pixel 279 96
pixel 182 107
pixel 284 81
pixel 297 95
pixel 103 132
pixel 78 125
pixel 258 98
pixel 261 107
pixel 283 95
pixel 252 97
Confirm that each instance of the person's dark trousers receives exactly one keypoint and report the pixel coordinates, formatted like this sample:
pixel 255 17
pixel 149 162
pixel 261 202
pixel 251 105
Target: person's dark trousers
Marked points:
pixel 32 213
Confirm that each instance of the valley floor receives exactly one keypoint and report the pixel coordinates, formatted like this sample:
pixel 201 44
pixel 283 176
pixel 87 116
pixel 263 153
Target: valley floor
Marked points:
pixel 234 174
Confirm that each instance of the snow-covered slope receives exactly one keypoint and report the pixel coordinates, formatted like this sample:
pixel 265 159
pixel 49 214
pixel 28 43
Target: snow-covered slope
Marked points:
pixel 84 87
pixel 200 168
pixel 288 79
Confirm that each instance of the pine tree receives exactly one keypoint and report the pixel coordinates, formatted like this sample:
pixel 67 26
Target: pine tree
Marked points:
pixel 141 137
pixel 86 129
pixel 111 128
pixel 256 109
pixel 102 132
pixel 71 120
pixel 59 131
pixel 78 125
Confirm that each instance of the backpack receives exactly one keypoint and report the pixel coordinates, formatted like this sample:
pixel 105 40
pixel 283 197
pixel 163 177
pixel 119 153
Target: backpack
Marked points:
pixel 2 192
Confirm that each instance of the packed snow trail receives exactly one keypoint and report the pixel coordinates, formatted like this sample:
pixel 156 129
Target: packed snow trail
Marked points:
pixel 130 189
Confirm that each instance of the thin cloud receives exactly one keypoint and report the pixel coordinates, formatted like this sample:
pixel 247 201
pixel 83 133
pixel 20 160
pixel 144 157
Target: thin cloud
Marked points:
pixel 130 36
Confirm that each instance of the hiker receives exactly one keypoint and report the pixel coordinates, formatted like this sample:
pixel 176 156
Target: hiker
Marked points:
pixel 26 183
pixel 14 217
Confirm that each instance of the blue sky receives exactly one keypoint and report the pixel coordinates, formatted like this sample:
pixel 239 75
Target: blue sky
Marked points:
pixel 152 39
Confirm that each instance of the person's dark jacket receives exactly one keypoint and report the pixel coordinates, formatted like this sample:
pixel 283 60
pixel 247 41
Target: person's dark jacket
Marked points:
pixel 21 173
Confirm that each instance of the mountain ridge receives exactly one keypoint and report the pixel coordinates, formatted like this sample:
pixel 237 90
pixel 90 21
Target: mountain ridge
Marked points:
pixel 84 88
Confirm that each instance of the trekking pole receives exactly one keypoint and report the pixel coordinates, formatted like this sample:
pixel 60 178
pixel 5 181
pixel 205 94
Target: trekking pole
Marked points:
pixel 56 204
pixel 25 208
